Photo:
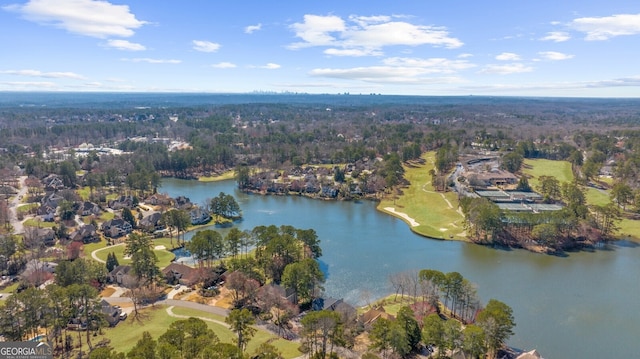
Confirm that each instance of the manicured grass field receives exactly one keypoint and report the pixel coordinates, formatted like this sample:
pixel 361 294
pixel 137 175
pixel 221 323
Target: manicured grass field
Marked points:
pixel 629 229
pixel 90 247
pixel 126 334
pixel 164 256
pixel 541 167
pixel 225 176
pixel 596 197
pixel 436 218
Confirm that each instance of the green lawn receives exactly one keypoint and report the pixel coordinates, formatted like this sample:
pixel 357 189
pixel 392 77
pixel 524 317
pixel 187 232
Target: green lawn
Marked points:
pixel 164 256
pixel 27 207
pixel 156 321
pixel 84 192
pixel 126 334
pixel 90 247
pixel 225 176
pixel 38 223
pixel 535 168
pixel 596 197
pixel 428 208
pixel 10 288
pixel 629 229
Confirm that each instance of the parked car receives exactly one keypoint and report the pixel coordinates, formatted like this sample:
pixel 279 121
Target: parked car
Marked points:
pixel 123 316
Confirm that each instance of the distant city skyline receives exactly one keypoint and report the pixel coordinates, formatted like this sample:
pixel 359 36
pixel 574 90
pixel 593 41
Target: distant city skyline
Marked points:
pixel 410 47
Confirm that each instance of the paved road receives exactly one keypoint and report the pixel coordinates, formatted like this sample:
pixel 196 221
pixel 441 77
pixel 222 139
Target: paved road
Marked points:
pixel 13 206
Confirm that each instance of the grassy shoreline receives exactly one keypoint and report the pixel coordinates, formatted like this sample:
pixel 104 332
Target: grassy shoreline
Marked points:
pixel 435 215
pixel 429 213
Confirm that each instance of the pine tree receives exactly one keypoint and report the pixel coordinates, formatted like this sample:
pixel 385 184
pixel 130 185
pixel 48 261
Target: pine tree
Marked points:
pixel 112 261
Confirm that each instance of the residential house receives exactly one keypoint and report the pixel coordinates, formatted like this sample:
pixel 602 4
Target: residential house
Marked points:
pixel 85 234
pixel 49 206
pixel 159 200
pixel 372 315
pixel 46 213
pixel 327 303
pixel 53 183
pixel 37 235
pixel 329 192
pixel 121 275
pixel 346 311
pixel 121 202
pixel 111 313
pixel 116 227
pixel 199 216
pixel 88 209
pixel 180 273
pixel 151 223
pixel 183 202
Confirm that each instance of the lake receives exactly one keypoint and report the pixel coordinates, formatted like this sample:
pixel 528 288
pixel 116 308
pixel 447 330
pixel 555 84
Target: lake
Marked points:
pixel 584 305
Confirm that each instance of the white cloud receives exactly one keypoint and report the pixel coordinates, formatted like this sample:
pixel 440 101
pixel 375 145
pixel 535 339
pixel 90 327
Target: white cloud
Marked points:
pixel 383 74
pixel 85 17
pixel 125 45
pixel 506 69
pixel 352 52
pixel 316 30
pixel 205 46
pixel 465 56
pixel 152 61
pixel 224 65
pixel 94 84
pixel 554 56
pixel 620 82
pixel 366 35
pixel 508 56
pixel 556 36
pixel 23 85
pixel 252 28
pixel 270 66
pixel 431 65
pixel 549 86
pixel 37 73
pixel 401 70
pixel 604 28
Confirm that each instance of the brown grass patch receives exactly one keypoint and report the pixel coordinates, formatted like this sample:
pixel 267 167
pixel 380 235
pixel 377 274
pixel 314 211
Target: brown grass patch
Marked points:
pixel 107 292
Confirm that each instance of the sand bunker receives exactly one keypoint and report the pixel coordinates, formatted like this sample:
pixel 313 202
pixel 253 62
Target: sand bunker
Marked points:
pixel 159 248
pixel 411 221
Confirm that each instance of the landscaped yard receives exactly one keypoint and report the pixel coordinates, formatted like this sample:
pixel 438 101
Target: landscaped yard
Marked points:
pixel 33 222
pixel 436 213
pixel 27 207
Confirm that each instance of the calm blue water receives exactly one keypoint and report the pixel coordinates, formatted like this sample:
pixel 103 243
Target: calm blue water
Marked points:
pixel 581 306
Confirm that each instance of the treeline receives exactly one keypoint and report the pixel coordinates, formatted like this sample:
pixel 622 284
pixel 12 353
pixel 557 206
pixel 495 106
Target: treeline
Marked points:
pixel 574 225
pixel 445 317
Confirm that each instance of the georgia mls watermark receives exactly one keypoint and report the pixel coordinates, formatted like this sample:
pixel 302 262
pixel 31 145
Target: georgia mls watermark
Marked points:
pixel 26 350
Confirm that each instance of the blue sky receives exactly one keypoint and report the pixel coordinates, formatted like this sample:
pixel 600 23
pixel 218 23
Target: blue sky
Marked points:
pixel 415 47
